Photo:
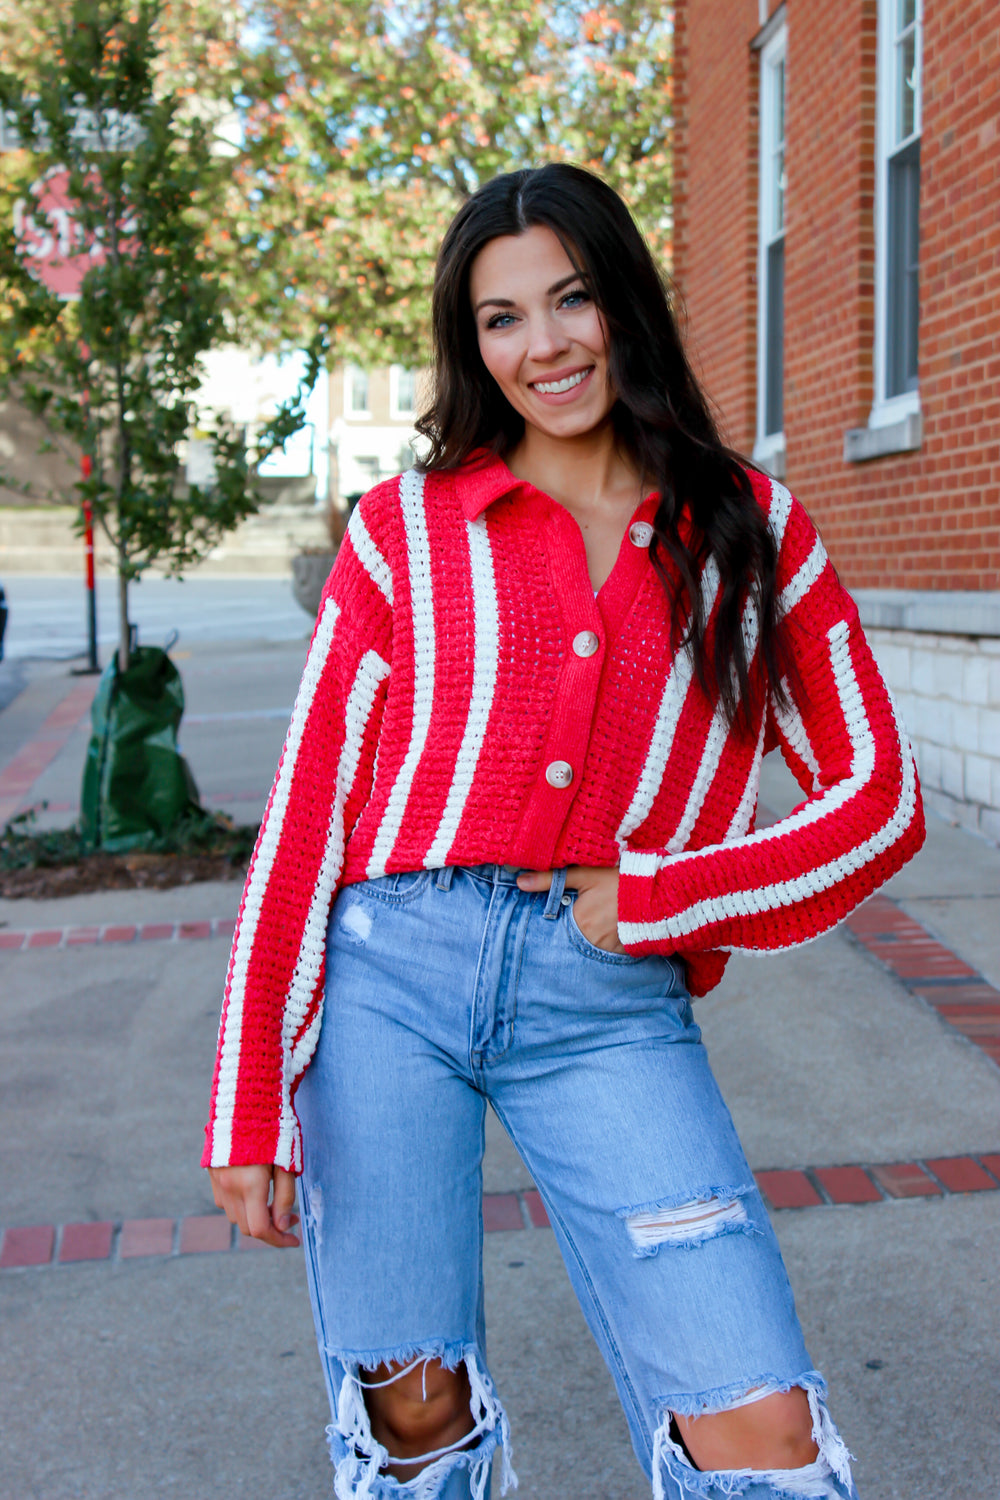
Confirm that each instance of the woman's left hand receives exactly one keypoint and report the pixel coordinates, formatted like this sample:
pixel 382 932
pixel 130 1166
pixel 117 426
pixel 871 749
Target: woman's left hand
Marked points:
pixel 596 907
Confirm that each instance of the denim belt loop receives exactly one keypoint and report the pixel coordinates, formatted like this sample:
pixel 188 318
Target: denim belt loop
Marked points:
pixel 445 877
pixel 555 894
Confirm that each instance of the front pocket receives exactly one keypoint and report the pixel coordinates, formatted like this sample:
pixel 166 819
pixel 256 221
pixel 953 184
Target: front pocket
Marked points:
pixel 590 950
pixel 396 889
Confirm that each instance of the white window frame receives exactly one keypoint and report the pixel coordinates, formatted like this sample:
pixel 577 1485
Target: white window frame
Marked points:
pixel 889 410
pixel 769 447
pixel 400 413
pixel 350 410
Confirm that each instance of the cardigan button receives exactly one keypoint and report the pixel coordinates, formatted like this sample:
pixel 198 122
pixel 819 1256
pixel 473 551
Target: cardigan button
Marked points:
pixel 586 643
pixel 559 773
pixel 640 533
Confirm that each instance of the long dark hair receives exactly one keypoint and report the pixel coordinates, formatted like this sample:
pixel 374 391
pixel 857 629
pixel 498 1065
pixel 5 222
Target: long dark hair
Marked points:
pixel 661 419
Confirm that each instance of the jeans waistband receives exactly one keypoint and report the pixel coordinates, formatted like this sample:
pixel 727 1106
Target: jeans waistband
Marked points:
pixel 507 875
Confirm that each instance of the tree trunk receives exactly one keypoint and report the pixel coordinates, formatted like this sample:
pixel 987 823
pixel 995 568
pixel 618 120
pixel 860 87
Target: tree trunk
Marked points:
pixel 124 629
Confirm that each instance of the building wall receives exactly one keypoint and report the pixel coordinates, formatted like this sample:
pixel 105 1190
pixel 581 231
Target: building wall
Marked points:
pixel 925 521
pixel 928 519
pixel 367 447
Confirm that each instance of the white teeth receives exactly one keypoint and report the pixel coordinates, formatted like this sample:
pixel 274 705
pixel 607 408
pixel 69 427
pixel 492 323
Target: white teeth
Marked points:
pixel 556 387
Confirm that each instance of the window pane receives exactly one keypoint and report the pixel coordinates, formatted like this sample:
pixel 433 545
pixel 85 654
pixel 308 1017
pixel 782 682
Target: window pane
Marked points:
pixel 774 333
pixel 357 390
pixel 904 283
pixel 906 86
pixel 906 13
pixel 406 390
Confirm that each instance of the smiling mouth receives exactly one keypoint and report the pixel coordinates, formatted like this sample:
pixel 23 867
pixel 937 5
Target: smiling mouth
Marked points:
pixel 557 387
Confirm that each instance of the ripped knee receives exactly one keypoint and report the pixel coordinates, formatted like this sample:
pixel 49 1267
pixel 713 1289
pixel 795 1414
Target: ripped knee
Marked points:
pixel 689 1222
pixel 417 1406
pixel 417 1418
pixel 726 1443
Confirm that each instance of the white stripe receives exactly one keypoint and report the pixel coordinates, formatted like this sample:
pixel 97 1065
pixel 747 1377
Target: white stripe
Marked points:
pixel 715 743
pixel 796 589
pixel 781 509
pixel 672 703
pixel 360 702
pixel 668 715
pixel 484 676
pixel 411 489
pixel 369 556
pixel 740 822
pixel 762 899
pixel 792 726
pixel 267 845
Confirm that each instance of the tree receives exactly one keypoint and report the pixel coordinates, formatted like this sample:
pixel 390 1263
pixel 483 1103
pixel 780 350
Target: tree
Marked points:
pixel 367 123
pixel 117 369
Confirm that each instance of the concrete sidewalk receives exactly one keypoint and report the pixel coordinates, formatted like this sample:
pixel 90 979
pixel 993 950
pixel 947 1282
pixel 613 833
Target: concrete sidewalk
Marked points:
pixel 142 1356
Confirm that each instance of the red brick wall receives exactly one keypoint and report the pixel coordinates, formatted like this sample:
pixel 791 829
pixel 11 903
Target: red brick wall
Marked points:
pixel 931 519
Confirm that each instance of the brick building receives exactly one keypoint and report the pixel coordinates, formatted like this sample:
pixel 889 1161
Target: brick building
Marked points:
pixel 837 247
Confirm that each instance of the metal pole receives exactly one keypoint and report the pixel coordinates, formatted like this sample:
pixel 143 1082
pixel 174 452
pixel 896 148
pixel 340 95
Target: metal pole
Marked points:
pixel 86 468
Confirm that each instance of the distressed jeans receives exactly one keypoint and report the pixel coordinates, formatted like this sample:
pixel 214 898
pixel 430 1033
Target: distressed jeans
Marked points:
pixel 447 989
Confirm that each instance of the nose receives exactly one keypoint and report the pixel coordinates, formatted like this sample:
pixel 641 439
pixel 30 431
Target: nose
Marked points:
pixel 546 340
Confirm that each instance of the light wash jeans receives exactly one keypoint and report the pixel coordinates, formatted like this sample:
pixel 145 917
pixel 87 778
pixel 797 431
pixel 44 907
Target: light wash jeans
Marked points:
pixel 449 988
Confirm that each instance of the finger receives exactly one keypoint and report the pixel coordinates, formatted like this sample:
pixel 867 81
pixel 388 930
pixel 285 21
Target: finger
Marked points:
pixel 283 1202
pixel 534 880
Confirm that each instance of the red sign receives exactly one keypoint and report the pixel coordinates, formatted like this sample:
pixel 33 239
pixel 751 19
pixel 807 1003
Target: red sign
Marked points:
pixel 58 251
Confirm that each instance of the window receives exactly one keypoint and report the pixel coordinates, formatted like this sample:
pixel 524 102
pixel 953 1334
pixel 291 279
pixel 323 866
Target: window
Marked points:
pixel 356 392
pixel 402 393
pixel 770 444
pixel 897 210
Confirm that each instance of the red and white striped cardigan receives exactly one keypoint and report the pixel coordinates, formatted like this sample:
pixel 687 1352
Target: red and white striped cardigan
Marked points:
pixel 466 699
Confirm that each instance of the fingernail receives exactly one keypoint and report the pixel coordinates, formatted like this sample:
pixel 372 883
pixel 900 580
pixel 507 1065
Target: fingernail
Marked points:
pixel 284 1222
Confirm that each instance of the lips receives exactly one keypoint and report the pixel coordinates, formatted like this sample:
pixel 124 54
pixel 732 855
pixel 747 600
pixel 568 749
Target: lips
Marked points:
pixel 561 384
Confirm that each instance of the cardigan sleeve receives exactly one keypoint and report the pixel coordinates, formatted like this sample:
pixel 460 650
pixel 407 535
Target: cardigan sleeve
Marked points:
pixel 862 818
pixel 274 989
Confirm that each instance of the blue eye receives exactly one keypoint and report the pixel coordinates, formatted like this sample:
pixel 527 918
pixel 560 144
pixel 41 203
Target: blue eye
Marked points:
pixel 500 320
pixel 575 297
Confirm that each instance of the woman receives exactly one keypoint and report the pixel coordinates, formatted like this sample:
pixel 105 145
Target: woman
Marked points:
pixel 525 753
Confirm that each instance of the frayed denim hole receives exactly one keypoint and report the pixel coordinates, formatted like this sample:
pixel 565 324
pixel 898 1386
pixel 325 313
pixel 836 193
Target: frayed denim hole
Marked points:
pixel 828 1477
pixel 359 1461
pixel 686 1225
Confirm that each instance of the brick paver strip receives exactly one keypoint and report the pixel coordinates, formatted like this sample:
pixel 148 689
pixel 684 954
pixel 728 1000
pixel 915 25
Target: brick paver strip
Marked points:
pixel 501 1211
pixel 785 1188
pixel 195 930
pixel 146 1237
pixel 153 931
pixel 76 935
pixel 86 1242
pixel 960 1174
pixel 23 770
pixel 202 1233
pixel 847 1184
pixel 905 1179
pixel 536 1209
pixel 788 1189
pixel 118 935
pixel 28 1246
pixel 50 939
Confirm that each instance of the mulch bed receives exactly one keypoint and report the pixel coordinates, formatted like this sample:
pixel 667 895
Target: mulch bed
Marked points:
pixel 118 872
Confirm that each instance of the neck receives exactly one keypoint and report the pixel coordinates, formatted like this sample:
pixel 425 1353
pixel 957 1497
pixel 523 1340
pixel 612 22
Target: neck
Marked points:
pixel 585 469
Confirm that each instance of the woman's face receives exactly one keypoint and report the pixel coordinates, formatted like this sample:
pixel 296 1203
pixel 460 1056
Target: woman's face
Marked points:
pixel 540 334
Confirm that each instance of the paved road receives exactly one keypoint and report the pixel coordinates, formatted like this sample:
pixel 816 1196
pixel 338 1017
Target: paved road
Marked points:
pixel 48 616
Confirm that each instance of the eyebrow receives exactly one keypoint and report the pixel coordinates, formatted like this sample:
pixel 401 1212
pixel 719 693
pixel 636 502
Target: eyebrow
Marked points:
pixel 556 287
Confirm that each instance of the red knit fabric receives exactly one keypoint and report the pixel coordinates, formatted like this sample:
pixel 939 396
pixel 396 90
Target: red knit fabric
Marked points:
pixel 442 683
